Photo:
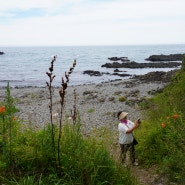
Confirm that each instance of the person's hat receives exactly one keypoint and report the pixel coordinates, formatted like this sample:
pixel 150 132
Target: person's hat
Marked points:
pixel 123 115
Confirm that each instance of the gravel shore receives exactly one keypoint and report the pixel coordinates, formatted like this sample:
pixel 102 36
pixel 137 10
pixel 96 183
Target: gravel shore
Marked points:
pixel 97 104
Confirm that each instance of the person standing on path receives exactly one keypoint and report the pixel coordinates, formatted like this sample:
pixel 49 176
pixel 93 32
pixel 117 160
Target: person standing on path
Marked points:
pixel 126 137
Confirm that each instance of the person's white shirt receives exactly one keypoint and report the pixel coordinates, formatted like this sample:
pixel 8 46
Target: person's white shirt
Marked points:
pixel 125 138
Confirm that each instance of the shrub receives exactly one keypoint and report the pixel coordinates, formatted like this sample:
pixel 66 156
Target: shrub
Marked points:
pixel 122 99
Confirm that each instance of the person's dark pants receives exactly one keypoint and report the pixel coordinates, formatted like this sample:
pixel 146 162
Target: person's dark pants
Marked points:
pixel 124 149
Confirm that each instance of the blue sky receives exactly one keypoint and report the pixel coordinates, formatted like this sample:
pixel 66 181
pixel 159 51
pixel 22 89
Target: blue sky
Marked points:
pixel 91 22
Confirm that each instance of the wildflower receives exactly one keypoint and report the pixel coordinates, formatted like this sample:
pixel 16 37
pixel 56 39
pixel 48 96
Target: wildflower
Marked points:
pixel 2 109
pixel 14 118
pixel 175 116
pixel 163 125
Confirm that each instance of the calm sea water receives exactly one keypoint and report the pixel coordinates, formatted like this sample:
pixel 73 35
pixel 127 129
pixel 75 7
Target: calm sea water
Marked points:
pixel 27 66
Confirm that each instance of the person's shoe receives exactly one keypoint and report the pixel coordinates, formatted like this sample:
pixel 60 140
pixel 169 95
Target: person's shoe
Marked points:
pixel 135 164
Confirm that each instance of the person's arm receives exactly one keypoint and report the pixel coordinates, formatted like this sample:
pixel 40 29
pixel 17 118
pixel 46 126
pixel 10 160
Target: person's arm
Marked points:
pixel 136 125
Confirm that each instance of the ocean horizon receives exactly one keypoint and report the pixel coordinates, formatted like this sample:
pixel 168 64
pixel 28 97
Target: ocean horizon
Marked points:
pixel 27 66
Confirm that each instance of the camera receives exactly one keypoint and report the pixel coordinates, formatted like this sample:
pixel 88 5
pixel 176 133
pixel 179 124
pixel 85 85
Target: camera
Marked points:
pixel 139 120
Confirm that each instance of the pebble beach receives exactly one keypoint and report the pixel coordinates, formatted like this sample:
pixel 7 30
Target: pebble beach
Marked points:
pixel 97 104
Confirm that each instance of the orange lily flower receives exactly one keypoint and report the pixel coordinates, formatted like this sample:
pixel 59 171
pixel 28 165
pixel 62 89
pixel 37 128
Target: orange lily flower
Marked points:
pixel 163 125
pixel 175 116
pixel 14 118
pixel 2 109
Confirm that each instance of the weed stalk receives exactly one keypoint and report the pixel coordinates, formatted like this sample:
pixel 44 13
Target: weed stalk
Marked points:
pixel 74 112
pixel 62 93
pixel 49 85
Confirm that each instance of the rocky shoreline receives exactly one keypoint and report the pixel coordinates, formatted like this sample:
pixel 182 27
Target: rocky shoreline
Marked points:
pixel 134 65
pixel 157 58
pixel 97 104
pixel 156 61
pixel 171 57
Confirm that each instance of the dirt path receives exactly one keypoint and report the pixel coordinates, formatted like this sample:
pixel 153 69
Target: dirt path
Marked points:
pixel 148 176
pixel 145 176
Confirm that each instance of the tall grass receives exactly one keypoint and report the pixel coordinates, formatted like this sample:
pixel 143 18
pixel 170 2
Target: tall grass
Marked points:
pixel 55 154
pixel 8 128
pixel 162 135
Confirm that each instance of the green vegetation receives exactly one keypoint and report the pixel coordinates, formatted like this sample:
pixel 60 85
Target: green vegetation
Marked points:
pixel 56 154
pixel 90 110
pixel 162 137
pixel 122 99
pixel 60 154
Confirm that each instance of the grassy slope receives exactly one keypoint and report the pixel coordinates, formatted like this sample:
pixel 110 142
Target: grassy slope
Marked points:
pixel 162 137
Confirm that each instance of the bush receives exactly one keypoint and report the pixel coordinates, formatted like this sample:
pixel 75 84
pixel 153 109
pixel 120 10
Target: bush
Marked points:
pixel 122 99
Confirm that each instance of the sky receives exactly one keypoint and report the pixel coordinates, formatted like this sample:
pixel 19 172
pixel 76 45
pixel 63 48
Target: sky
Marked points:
pixel 91 22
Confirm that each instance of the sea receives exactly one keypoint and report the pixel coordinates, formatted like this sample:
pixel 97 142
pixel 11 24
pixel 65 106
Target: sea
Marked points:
pixel 27 66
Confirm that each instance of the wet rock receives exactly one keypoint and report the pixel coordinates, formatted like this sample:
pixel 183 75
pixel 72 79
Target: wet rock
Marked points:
pixel 156 76
pixel 92 73
pixel 2 53
pixel 117 70
pixel 123 59
pixel 172 57
pixel 134 65
pixel 122 75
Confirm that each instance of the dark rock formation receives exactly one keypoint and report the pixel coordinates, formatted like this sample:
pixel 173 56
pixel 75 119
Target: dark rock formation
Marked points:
pixel 98 73
pixel 117 70
pixel 156 76
pixel 123 59
pixel 142 65
pixel 172 57
pixel 92 73
pixel 2 53
pixel 121 74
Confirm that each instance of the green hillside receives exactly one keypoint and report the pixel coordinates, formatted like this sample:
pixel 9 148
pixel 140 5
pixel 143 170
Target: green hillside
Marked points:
pixel 162 137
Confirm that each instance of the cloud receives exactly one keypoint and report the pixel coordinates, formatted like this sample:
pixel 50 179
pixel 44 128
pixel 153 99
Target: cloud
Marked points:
pixel 85 22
